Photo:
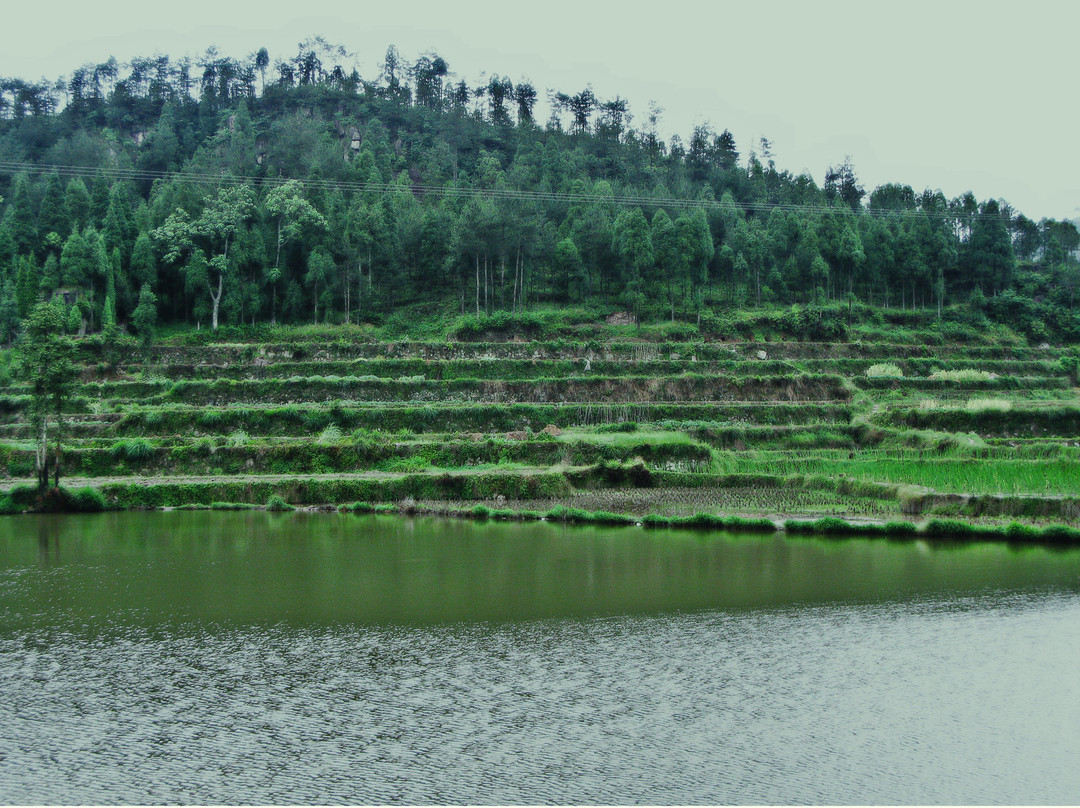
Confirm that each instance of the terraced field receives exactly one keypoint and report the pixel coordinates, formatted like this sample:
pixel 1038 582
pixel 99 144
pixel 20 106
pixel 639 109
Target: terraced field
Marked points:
pixel 860 431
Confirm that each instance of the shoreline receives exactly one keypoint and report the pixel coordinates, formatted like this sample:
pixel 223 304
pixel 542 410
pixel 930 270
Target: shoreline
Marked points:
pixel 825 527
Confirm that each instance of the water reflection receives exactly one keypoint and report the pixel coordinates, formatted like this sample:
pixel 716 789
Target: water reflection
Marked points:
pixel 195 658
pixel 318 569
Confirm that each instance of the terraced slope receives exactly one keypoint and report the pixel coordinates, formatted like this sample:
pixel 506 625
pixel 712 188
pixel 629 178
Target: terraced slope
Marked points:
pixel 753 429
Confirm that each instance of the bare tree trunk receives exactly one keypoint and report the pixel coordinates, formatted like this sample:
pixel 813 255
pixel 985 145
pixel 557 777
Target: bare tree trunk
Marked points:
pixel 41 456
pixel 59 450
pixel 217 299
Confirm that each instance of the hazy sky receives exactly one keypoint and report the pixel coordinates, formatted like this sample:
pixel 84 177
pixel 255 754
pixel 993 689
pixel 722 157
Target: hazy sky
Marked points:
pixel 960 96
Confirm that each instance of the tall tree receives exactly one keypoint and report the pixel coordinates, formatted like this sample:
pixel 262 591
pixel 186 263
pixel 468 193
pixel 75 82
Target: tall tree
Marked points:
pixel 45 361
pixel 294 215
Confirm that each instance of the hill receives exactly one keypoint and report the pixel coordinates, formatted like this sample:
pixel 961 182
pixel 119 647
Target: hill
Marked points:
pixel 240 191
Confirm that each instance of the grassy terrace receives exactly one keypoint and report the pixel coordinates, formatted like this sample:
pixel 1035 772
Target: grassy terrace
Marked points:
pixel 869 431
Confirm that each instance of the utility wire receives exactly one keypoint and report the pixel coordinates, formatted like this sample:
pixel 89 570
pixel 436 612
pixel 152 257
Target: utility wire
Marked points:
pixel 8 167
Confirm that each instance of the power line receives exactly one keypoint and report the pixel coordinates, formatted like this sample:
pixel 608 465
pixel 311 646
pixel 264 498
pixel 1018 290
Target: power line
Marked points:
pixel 557 197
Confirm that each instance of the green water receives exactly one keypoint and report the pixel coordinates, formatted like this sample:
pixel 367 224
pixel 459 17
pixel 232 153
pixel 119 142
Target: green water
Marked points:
pixel 253 657
pixel 244 567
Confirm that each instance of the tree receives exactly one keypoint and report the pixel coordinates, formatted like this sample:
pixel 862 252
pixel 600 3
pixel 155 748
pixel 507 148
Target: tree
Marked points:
pixel 182 239
pixel 144 317
pixel 51 215
pixel 988 254
pixel 696 248
pixel 45 361
pixel 632 243
pixel 840 181
pixel 143 265
pixel 20 217
pixel 665 241
pixel 320 273
pixel 525 96
pixel 76 204
pixel 262 61
pixel 569 266
pixel 294 216
pixel 221 220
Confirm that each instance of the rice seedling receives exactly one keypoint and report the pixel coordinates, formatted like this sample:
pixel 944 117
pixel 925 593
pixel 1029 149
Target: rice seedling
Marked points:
pixel 988 405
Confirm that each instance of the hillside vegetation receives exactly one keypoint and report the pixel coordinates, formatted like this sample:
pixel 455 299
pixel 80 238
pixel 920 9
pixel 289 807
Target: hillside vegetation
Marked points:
pixel 585 421
pixel 248 283
pixel 264 190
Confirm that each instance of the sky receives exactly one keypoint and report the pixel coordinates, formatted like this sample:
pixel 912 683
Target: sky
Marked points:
pixel 951 95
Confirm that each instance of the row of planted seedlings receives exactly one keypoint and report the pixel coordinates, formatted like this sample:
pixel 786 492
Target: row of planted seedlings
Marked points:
pixel 1000 473
pixel 995 417
pixel 182 409
pixel 158 377
pixel 365 450
pixel 299 420
pixel 228 354
pixel 682 387
pixel 687 387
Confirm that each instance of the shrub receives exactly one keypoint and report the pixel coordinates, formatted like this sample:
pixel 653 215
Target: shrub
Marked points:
pixel 884 370
pixel 133 449
pixel 276 503
pixel 966 375
pixel 61 500
pixel 23 496
pixel 237 439
pixel 330 435
pixel 88 500
pixel 623 426
pixel 988 405
pixel 1070 365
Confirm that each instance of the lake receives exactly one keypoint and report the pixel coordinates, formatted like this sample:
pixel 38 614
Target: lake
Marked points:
pixel 251 657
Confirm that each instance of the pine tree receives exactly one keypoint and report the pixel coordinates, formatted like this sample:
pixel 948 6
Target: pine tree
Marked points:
pixel 20 218
pixel 52 217
pixel 76 206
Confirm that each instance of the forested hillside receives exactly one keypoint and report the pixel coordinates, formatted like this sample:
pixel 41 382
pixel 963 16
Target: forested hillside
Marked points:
pixel 259 190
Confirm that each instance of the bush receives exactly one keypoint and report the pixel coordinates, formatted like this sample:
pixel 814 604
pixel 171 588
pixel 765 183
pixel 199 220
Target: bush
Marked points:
pixel 330 435
pixel 276 503
pixel 61 500
pixel 884 370
pixel 133 449
pixel 88 500
pixel 988 405
pixel 966 375
pixel 624 426
pixel 1070 365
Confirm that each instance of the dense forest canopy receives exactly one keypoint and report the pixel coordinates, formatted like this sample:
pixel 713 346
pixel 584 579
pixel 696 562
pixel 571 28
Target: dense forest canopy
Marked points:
pixel 223 190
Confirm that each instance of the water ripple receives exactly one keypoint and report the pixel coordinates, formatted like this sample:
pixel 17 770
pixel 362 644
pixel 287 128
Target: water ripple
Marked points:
pixel 926 702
